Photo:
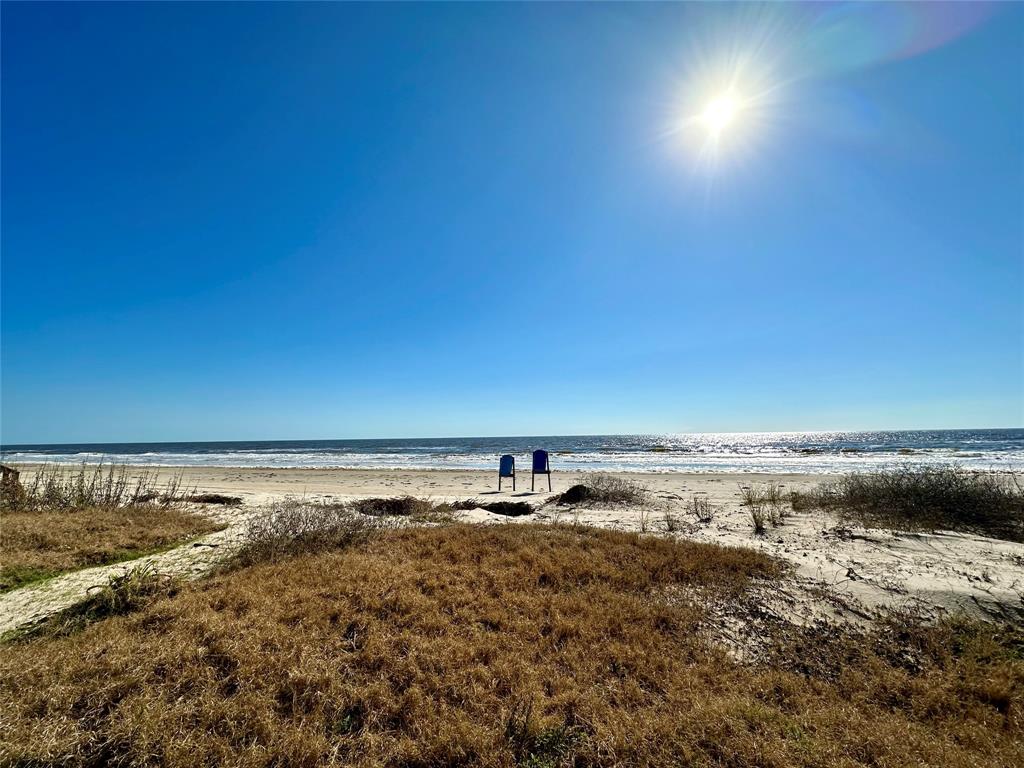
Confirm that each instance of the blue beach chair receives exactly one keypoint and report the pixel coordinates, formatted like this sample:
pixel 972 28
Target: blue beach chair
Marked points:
pixel 540 467
pixel 507 468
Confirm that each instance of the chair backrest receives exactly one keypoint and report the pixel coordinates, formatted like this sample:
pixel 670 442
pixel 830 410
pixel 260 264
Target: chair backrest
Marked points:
pixel 540 461
pixel 507 466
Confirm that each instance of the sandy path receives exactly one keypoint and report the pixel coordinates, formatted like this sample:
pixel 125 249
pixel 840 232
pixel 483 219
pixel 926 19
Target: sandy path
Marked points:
pixel 863 569
pixel 37 601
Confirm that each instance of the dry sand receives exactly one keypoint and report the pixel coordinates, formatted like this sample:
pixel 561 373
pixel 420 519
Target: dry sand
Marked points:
pixel 840 571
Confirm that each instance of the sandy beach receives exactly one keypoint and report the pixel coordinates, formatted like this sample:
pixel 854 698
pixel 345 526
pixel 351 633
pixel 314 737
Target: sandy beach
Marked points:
pixel 841 571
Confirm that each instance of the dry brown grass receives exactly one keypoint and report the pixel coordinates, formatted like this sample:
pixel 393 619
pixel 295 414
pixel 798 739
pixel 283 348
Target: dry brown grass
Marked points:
pixel 54 486
pixel 298 527
pixel 40 543
pixel 495 646
pixel 125 592
pixel 601 489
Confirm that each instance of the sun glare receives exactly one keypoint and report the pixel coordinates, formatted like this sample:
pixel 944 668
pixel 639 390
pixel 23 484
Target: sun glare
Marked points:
pixel 720 113
pixel 723 116
pixel 729 98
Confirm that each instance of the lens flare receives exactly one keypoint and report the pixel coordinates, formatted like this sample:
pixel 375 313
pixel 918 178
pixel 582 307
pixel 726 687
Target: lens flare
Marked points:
pixel 752 76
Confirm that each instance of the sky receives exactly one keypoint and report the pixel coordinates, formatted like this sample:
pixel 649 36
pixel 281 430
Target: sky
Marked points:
pixel 291 221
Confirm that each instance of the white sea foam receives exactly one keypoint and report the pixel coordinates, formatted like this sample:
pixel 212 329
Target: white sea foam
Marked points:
pixel 753 452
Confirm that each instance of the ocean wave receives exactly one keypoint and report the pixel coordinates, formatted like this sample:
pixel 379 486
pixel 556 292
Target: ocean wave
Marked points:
pixel 750 452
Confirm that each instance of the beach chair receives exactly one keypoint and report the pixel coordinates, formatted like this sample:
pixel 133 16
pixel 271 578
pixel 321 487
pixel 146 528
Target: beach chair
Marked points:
pixel 540 467
pixel 507 468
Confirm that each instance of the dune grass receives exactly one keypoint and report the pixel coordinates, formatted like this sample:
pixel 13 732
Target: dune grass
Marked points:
pixel 56 487
pixel 63 519
pixel 925 499
pixel 601 489
pixel 498 646
pixel 297 527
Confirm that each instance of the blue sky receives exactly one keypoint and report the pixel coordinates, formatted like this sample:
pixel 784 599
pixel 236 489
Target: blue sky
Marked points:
pixel 329 221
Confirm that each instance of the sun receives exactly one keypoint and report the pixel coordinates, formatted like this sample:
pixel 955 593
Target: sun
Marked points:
pixel 720 113
pixel 726 110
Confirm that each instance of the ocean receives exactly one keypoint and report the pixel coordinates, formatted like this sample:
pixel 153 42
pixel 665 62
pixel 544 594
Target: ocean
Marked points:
pixel 803 452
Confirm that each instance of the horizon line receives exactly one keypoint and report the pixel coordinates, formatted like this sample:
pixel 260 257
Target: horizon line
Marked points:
pixel 7 446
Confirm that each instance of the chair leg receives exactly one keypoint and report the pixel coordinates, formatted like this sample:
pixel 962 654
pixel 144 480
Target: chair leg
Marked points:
pixel 532 477
pixel 513 483
pixel 499 483
pixel 549 482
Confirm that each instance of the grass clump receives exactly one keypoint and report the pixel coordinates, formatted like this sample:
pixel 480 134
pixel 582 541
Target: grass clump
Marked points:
pixel 536 746
pixel 759 519
pixel 600 489
pixel 498 646
pixel 301 528
pixel 507 508
pixel 671 522
pixel 417 510
pixel 766 505
pixel 54 487
pixel 702 509
pixel 926 499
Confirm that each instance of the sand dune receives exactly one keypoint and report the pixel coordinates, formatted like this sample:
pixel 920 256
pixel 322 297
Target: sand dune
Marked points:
pixel 847 572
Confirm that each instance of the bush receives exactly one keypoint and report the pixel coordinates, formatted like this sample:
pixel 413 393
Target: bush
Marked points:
pixel 702 509
pixel 765 504
pixel 420 510
pixel 927 499
pixel 599 489
pixel 295 528
pixel 507 508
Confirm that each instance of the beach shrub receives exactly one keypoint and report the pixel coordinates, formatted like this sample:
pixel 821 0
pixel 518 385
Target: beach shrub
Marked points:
pixel 766 504
pixel 300 527
pixel 417 510
pixel 925 499
pixel 600 489
pixel 672 523
pixel 507 508
pixel 575 495
pixel 702 509
pixel 752 495
pixel 502 646
pixel 644 519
